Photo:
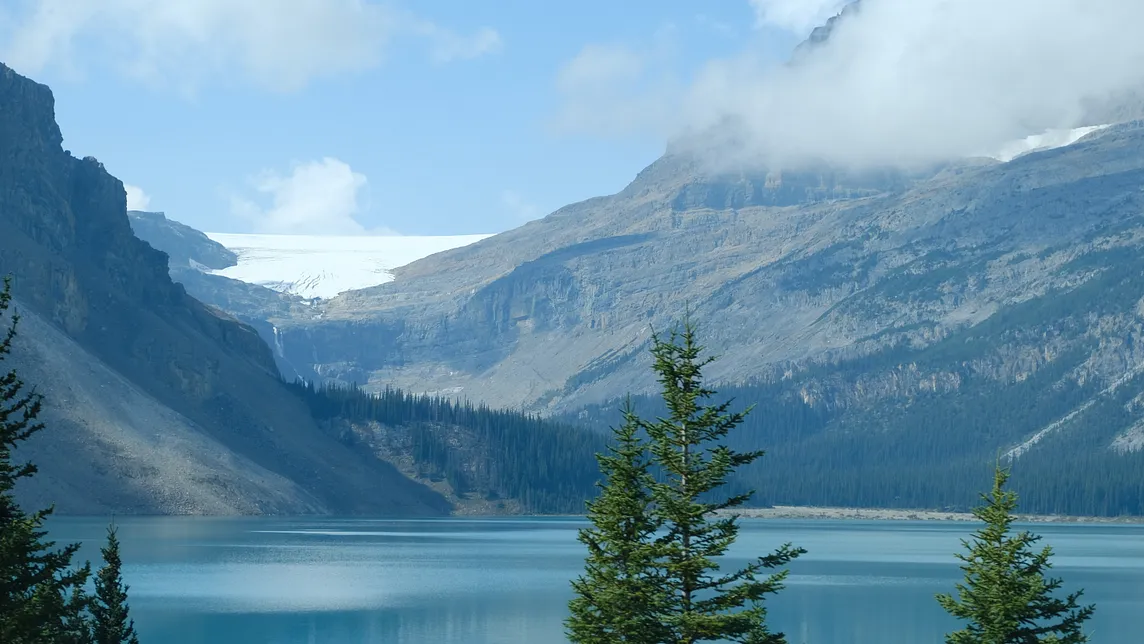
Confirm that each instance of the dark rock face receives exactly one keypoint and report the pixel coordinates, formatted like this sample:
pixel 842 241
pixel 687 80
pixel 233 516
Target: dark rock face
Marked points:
pixel 823 32
pixel 184 245
pixel 65 236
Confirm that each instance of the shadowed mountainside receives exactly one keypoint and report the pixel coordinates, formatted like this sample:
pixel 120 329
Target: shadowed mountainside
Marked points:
pixel 205 388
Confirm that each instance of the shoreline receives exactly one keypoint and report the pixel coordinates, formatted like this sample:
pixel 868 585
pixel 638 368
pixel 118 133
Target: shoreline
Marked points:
pixel 882 514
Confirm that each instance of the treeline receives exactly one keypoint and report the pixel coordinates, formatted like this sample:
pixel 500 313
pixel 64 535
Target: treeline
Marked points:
pixel 547 467
pixel 917 453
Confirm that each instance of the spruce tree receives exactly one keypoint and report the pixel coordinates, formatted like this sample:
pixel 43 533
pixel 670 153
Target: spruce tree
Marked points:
pixel 705 603
pixel 619 598
pixel 41 594
pixel 1006 597
pixel 111 622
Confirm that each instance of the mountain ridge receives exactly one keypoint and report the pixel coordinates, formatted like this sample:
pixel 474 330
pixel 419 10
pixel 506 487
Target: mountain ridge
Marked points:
pixel 485 282
pixel 79 269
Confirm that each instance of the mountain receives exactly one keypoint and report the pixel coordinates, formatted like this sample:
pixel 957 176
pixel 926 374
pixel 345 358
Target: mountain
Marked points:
pixel 922 321
pixel 898 332
pixel 898 329
pixel 262 277
pixel 782 267
pixel 155 402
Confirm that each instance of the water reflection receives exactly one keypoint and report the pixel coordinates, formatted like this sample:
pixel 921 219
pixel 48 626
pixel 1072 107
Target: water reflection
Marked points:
pixel 458 581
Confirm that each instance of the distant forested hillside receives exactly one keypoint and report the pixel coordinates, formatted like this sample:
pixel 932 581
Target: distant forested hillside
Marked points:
pixel 935 450
pixel 512 461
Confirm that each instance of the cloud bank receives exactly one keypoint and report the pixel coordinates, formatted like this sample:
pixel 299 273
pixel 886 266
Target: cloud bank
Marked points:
pixel 136 198
pixel 315 198
pixel 278 44
pixel 898 82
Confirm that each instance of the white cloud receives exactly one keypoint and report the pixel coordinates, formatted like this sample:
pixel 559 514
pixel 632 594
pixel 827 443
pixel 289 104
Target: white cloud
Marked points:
pixel 279 44
pixel 798 16
pixel 136 198
pixel 520 207
pixel 905 81
pixel 315 198
pixel 447 46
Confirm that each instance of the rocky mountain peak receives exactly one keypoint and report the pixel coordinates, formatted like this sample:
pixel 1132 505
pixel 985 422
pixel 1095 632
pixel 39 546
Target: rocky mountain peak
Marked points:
pixel 822 33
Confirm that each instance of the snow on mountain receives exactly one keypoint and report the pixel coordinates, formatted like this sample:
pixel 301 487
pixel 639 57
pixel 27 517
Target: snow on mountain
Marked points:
pixel 1047 140
pixel 323 266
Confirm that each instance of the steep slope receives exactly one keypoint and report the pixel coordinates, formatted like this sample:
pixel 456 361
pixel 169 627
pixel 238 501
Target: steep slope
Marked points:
pixel 193 258
pixel 65 236
pixel 1053 383
pixel 144 457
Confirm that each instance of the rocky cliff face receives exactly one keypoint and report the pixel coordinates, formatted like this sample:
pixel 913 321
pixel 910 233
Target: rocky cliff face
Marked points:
pixel 185 246
pixel 65 236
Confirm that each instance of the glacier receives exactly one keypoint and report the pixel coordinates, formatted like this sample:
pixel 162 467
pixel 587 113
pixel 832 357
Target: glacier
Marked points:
pixel 322 266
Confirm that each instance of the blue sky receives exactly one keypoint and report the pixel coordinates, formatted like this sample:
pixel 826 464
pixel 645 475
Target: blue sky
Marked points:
pixel 454 116
pixel 436 117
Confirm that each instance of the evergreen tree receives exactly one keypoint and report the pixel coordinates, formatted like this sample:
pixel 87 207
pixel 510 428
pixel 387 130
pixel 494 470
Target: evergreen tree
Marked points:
pixel 705 603
pixel 619 598
pixel 111 623
pixel 41 594
pixel 1006 598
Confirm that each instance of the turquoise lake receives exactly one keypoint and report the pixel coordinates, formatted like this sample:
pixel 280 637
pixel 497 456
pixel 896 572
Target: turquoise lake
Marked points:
pixel 505 581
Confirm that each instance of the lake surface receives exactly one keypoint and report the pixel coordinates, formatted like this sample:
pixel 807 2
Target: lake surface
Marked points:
pixel 505 581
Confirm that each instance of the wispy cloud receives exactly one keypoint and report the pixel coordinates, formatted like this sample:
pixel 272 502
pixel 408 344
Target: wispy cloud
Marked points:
pixel 136 198
pixel 446 45
pixel 315 198
pixel 616 90
pixel 521 208
pixel 279 45
pixel 899 82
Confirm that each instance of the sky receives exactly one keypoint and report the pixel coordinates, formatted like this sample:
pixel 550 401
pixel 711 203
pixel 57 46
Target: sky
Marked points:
pixel 446 117
pixel 356 116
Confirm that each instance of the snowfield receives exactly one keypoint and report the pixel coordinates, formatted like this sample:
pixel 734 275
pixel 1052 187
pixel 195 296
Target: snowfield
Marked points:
pixel 316 266
pixel 1045 141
